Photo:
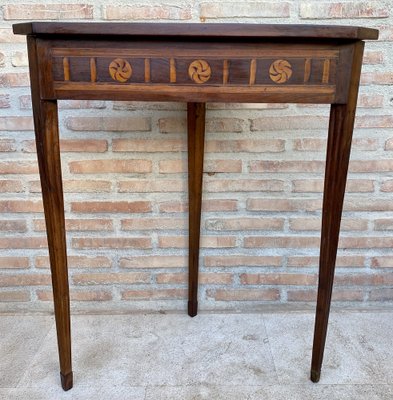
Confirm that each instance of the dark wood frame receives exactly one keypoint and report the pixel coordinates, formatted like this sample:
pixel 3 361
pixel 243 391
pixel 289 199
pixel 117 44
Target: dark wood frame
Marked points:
pixel 195 63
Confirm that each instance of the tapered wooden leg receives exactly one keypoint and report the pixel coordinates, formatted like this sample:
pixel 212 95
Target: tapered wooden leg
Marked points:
pixel 196 140
pixel 338 152
pixel 48 154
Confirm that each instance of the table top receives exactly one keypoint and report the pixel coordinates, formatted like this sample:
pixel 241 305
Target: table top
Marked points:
pixel 187 30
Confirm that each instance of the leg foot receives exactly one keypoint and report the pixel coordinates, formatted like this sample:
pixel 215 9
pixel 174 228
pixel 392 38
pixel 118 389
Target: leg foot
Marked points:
pixel 192 308
pixel 66 381
pixel 315 375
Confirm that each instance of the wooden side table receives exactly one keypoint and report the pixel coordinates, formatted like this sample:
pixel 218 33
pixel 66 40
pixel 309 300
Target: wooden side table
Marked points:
pixel 194 63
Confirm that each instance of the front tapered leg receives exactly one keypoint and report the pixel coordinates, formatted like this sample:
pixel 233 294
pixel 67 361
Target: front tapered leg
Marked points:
pixel 196 140
pixel 341 124
pixel 48 152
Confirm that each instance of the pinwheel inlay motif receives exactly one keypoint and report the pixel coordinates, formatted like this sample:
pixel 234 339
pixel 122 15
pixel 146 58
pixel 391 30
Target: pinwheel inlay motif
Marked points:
pixel 280 71
pixel 120 70
pixel 199 71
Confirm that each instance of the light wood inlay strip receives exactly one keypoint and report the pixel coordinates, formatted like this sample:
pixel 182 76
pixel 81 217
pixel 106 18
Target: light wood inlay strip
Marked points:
pixel 225 72
pixel 66 68
pixel 253 71
pixel 172 69
pixel 197 53
pixel 326 68
pixel 147 69
pixel 307 70
pixel 93 70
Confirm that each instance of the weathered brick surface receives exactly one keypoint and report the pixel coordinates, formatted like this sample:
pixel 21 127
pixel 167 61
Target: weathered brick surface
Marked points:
pixel 124 167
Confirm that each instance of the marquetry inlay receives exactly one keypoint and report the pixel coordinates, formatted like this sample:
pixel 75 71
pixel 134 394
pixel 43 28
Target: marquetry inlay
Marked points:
pixel 120 70
pixel 199 71
pixel 280 71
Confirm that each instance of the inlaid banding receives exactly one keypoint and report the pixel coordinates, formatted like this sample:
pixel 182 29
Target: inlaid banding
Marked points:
pixel 307 70
pixel 66 68
pixel 172 70
pixel 225 72
pixel 147 69
pixel 253 71
pixel 326 68
pixel 93 70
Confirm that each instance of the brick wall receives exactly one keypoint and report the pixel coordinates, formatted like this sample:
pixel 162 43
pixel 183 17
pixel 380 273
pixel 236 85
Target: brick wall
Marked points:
pixel 124 169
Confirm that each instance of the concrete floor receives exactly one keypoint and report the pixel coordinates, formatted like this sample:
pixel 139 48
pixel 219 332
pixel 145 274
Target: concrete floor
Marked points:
pixel 212 356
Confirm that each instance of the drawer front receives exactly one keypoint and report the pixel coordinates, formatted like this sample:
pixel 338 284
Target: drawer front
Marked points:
pixel 196 71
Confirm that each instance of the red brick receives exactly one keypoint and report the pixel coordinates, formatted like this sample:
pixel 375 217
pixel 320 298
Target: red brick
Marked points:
pixel 370 101
pixel 341 262
pixel 338 295
pixel 149 146
pixel 19 59
pixel 146 12
pixel 14 296
pixel 351 9
pixel 152 186
pixel 207 205
pixel 290 123
pixel 362 204
pixel 23 242
pixel 18 167
pixel 382 262
pixel 13 225
pixel 47 11
pixel 245 146
pixel 371 165
pixel 275 204
pixel 172 125
pixel 383 224
pixel 111 206
pixel 376 78
pixel 21 206
pixel 115 124
pixel 387 186
pixel 77 186
pixel 287 166
pixel 244 294
pixel 204 278
pixel 79 225
pixel 282 242
pixel 16 123
pixel 364 280
pixel 243 185
pixel 136 224
pixel 314 224
pixel 107 278
pixel 10 186
pixel 154 262
pixel 224 125
pixel 14 262
pixel 96 295
pixel 7 36
pixel 210 166
pixel 373 57
pixel 110 166
pixel 309 144
pixel 156 294
pixel 5 101
pixel 212 10
pixel 389 144
pixel 77 262
pixel 278 279
pixel 385 33
pixel 240 224
pixel 72 146
pixel 374 121
pixel 316 186
pixel 242 261
pixel 7 145
pixel 206 241
pixel 365 242
pixel 383 294
pixel 24 280
pixel 11 80
pixel 112 243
